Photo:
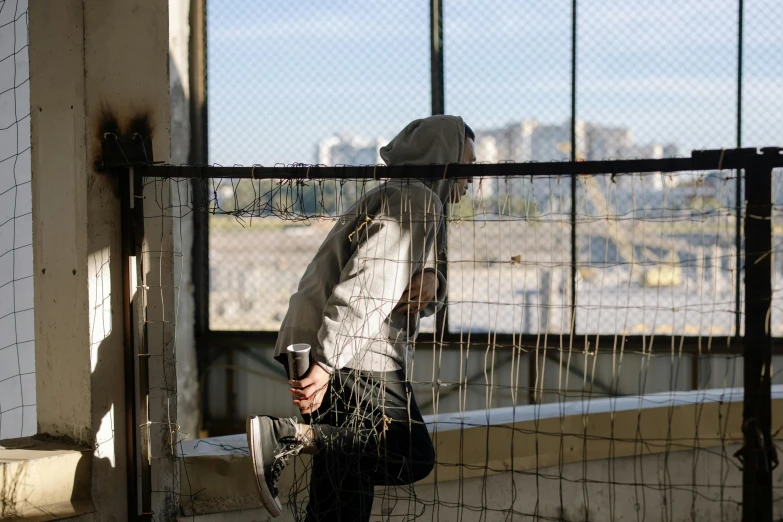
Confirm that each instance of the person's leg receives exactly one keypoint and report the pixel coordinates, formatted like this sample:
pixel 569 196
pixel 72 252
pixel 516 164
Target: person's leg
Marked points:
pixel 339 490
pixel 367 431
pixel 405 451
pixel 339 487
pixel 376 417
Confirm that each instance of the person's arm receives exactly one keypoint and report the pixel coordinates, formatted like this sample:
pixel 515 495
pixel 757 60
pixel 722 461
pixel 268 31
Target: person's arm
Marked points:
pixel 434 259
pixel 374 278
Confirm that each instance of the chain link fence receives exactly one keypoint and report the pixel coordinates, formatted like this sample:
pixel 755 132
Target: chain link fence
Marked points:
pixel 332 83
pixel 322 83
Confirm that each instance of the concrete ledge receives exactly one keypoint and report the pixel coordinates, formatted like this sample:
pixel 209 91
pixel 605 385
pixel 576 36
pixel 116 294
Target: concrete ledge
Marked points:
pixel 43 480
pixel 482 443
pixel 532 437
pixel 688 486
pixel 218 472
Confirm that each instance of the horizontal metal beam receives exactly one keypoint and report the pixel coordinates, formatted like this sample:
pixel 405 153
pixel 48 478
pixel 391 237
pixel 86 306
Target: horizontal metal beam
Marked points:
pixel 659 344
pixel 699 160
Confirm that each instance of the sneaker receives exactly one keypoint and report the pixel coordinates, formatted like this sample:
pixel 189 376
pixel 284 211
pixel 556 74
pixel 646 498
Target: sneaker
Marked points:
pixel 271 442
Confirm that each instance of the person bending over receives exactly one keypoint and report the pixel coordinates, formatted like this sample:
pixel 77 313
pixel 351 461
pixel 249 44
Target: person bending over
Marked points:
pixel 358 305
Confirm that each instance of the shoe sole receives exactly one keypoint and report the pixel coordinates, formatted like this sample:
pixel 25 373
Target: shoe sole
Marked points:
pixel 271 503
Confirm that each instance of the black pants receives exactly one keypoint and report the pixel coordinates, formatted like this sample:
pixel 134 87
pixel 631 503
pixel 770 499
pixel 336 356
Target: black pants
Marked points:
pixel 368 432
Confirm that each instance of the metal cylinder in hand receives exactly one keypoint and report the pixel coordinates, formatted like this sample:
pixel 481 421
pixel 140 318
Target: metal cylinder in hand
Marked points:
pixel 298 360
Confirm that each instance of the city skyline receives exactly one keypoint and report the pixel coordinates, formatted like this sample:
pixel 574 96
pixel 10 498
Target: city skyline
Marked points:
pixel 519 141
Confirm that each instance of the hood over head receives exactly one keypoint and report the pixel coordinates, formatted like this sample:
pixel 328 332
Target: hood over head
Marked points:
pixel 437 139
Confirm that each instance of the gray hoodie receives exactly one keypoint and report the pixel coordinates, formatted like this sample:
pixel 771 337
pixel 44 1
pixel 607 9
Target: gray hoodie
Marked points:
pixel 344 304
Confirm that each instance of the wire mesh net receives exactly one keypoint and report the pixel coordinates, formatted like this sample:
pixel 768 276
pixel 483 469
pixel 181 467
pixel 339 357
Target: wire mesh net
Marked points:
pixel 560 295
pixel 372 95
pixel 373 92
pixel 157 275
pixel 647 81
pixel 17 350
pixel 558 391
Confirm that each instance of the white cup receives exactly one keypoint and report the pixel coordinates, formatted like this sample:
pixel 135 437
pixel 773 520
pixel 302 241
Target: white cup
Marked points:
pixel 298 360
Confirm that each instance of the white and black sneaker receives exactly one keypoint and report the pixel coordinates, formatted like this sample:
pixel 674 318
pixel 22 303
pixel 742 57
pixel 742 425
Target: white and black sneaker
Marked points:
pixel 271 442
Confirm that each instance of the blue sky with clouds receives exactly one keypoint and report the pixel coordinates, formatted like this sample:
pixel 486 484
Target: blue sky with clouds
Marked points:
pixel 283 75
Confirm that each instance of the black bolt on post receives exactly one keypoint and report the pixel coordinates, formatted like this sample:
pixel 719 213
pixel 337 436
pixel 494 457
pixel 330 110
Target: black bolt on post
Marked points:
pixel 758 453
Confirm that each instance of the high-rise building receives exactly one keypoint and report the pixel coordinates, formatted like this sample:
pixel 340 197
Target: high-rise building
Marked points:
pixel 349 150
pixel 605 143
pixel 553 142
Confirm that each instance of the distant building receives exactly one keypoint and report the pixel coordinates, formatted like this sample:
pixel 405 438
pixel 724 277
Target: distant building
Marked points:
pixel 605 143
pixel 349 150
pixel 509 143
pixel 533 141
pixel 487 148
pixel 521 141
pixel 553 142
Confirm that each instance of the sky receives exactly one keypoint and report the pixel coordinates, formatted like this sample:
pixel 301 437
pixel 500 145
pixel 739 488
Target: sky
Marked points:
pixel 283 75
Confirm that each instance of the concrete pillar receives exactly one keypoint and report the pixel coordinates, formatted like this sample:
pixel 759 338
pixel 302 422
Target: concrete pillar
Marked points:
pixel 89 59
pixel 188 398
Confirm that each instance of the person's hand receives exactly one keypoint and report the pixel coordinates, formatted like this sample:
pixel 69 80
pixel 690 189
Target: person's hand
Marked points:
pixel 309 392
pixel 422 290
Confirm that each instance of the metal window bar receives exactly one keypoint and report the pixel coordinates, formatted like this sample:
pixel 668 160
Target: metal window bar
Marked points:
pixel 758 454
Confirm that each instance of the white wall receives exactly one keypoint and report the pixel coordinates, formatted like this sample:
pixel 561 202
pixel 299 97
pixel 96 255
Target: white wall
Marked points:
pixel 17 348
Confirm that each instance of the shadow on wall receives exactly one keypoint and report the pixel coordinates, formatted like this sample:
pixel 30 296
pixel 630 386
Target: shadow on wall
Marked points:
pixel 107 354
